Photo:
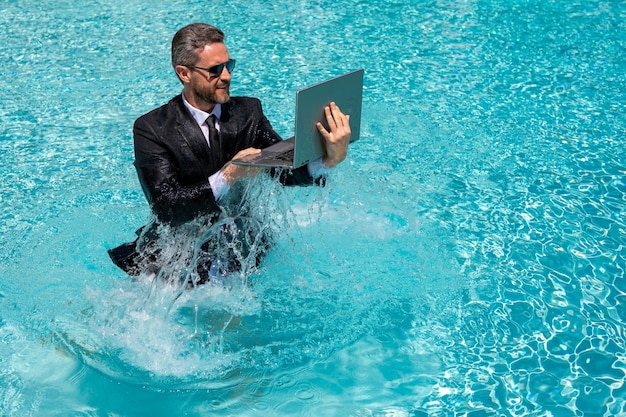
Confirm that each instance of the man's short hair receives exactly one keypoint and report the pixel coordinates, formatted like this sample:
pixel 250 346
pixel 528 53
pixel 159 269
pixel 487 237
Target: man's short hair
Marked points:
pixel 190 40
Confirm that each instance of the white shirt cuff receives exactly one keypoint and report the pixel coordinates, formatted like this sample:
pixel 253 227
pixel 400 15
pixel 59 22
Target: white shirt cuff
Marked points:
pixel 219 185
pixel 316 168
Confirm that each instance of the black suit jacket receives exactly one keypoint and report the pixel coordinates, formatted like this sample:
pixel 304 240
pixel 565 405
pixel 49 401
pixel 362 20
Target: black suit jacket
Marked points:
pixel 174 162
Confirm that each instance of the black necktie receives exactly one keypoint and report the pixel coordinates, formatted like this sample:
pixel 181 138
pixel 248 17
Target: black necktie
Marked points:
pixel 214 139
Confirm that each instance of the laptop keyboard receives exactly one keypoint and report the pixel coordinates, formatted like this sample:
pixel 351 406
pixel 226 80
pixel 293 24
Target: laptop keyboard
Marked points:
pixel 285 156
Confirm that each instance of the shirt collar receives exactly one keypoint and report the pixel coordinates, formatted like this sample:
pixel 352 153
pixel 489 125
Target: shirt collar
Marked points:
pixel 200 116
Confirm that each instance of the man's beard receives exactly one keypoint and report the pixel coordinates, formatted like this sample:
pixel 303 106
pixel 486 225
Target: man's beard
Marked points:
pixel 212 98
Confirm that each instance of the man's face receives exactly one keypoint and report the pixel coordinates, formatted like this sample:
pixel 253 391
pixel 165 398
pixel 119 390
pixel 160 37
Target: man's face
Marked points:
pixel 207 89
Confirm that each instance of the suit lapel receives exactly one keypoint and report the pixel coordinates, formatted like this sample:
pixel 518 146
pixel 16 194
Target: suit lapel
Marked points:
pixel 191 134
pixel 189 131
pixel 228 131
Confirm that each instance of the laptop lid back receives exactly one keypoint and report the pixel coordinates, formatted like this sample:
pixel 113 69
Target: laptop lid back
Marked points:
pixel 346 91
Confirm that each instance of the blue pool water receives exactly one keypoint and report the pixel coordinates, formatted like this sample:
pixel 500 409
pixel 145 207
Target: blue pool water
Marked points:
pixel 467 260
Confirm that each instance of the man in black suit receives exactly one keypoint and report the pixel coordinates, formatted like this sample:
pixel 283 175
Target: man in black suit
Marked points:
pixel 184 149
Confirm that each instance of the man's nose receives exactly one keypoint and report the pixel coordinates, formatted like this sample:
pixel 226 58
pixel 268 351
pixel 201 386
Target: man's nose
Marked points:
pixel 225 75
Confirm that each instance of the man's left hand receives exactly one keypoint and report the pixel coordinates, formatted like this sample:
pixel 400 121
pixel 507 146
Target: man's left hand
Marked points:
pixel 336 141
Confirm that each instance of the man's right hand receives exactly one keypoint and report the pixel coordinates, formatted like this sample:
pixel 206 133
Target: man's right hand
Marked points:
pixel 233 172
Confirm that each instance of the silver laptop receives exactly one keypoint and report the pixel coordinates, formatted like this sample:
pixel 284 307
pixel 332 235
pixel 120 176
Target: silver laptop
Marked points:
pixel 306 144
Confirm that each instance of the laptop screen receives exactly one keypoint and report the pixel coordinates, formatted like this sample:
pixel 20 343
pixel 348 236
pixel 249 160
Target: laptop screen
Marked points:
pixel 346 91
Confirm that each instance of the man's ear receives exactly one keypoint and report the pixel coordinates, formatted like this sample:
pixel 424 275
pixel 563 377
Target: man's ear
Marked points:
pixel 184 73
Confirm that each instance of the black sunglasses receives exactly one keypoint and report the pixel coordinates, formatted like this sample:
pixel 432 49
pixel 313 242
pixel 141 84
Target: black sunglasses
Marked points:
pixel 216 70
